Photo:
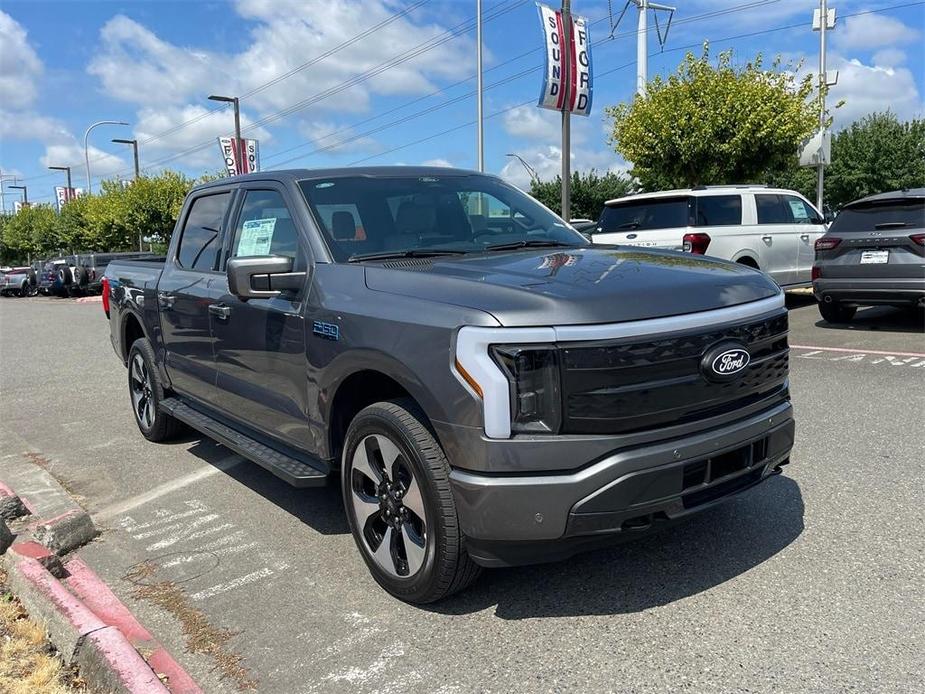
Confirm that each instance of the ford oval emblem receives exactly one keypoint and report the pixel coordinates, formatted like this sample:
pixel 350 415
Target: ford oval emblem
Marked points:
pixel 725 362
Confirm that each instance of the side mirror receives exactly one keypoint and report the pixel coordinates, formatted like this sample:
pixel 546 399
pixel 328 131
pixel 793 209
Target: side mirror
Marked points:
pixel 262 277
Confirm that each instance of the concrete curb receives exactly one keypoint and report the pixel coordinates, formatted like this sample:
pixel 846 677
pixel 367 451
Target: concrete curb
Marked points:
pixel 85 621
pixel 11 506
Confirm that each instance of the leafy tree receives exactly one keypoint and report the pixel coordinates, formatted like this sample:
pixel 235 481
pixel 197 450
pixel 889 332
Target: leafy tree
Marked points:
pixel 589 192
pixel 714 125
pixel 30 233
pixel 875 154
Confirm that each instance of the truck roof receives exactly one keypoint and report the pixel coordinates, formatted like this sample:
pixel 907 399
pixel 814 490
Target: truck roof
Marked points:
pixel 288 175
pixel 904 194
pixel 700 191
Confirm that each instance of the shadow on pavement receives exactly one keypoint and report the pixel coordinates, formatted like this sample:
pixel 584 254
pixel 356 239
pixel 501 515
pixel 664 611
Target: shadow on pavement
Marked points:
pixel 794 300
pixel 318 507
pixel 677 563
pixel 881 318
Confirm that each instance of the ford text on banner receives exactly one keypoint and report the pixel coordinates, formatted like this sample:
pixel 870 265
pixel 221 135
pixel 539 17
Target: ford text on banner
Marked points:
pixel 579 81
pixel 63 195
pixel 251 159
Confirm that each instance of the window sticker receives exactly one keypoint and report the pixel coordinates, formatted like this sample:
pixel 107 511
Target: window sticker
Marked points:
pixel 256 237
pixel 798 209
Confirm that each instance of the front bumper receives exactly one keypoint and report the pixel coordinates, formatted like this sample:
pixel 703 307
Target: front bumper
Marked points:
pixel 522 519
pixel 870 291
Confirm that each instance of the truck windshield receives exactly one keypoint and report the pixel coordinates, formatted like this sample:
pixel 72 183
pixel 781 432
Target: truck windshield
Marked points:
pixel 646 213
pixel 896 214
pixel 408 215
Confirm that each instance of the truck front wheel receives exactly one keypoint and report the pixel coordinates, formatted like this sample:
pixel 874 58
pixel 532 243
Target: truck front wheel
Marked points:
pixel 146 392
pixel 399 504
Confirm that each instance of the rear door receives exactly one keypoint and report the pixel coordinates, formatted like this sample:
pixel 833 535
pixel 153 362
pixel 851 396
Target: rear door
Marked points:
pixel 878 241
pixel 809 227
pixel 185 291
pixel 260 343
pixel 780 237
pixel 648 222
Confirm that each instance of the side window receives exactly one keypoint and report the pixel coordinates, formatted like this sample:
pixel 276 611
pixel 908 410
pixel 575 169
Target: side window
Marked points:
pixel 265 227
pixel 802 213
pixel 200 241
pixel 719 210
pixel 773 210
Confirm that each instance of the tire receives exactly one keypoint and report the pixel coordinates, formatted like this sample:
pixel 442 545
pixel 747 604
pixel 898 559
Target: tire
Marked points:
pixel 65 276
pixel 81 277
pixel 428 561
pixel 834 312
pixel 146 393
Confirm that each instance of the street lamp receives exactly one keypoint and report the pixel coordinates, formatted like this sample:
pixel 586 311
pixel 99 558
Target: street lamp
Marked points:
pixel 238 159
pixel 534 176
pixel 25 193
pixel 67 169
pixel 87 150
pixel 134 144
pixel 2 194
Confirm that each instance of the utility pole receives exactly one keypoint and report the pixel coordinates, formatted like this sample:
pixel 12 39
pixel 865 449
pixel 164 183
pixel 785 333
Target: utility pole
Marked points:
pixel 478 86
pixel 566 113
pixel 825 23
pixel 642 38
pixel 2 194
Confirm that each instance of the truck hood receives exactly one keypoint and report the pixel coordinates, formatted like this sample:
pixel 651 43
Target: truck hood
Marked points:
pixel 594 284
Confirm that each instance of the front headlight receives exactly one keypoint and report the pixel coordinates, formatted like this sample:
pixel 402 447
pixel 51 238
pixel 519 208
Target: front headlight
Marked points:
pixel 533 376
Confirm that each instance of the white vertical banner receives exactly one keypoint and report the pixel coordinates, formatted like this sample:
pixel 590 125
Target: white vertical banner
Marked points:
pixel 250 160
pixel 580 77
pixel 61 196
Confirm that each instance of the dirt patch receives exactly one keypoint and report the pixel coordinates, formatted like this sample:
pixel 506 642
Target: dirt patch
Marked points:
pixel 201 636
pixel 41 461
pixel 28 664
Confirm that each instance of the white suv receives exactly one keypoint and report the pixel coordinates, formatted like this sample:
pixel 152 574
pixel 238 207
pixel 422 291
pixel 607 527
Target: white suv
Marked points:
pixel 768 228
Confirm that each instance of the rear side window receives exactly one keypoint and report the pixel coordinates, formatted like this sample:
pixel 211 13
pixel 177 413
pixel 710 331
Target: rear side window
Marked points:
pixel 201 238
pixel 890 214
pixel 718 210
pixel 649 213
pixel 773 210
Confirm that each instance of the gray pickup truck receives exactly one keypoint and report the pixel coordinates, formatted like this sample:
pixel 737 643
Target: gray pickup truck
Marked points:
pixel 491 388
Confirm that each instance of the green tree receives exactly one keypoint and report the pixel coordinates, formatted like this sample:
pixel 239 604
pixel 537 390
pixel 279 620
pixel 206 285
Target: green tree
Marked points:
pixel 589 192
pixel 709 124
pixel 30 233
pixel 875 154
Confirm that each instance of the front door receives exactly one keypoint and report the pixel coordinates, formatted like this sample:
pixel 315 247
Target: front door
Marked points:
pixel 260 343
pixel 184 293
pixel 810 226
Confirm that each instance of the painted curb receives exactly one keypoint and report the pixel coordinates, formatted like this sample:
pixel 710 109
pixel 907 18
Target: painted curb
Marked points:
pixel 65 532
pixel 11 506
pixel 109 663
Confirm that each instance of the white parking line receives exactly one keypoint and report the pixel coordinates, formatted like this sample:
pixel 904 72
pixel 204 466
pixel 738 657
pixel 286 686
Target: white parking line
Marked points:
pixel 873 356
pixel 859 351
pixel 168 487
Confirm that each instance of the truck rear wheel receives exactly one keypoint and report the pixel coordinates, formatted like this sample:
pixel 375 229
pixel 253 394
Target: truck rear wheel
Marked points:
pixel 400 507
pixel 146 393
pixel 835 312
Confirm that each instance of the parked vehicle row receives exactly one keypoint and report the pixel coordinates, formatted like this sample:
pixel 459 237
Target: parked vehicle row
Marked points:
pixel 18 281
pixel 72 275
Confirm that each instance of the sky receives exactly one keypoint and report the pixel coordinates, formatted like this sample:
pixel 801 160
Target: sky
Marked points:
pixel 402 89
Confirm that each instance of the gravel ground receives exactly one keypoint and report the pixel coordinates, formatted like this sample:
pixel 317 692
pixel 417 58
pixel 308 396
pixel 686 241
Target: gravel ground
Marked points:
pixel 810 582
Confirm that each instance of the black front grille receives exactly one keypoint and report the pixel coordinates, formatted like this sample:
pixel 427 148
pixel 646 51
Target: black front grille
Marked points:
pixel 630 385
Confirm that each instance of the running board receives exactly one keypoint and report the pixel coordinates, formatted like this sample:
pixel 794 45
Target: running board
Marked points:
pixel 295 472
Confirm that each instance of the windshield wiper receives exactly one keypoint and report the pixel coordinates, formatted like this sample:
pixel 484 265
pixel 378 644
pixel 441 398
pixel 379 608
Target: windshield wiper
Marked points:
pixel 548 243
pixel 629 225
pixel 890 225
pixel 410 253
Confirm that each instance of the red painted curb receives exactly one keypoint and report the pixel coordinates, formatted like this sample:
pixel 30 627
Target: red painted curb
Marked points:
pixel 110 663
pixel 98 596
pixel 5 490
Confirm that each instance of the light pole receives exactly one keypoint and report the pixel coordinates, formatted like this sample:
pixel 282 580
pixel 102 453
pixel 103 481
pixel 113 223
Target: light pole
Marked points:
pixel 238 159
pixel 134 144
pixel 530 170
pixel 66 169
pixel 25 193
pixel 2 194
pixel 87 150
pixel 480 138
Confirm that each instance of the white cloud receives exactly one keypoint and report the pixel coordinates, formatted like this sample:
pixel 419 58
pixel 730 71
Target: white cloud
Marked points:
pixel 102 164
pixel 872 31
pixel 334 138
pixel 437 162
pixel 532 123
pixel 870 88
pixel 20 67
pixel 889 57
pixel 547 161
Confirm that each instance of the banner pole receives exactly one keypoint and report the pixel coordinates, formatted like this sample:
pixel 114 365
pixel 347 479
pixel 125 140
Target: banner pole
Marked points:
pixel 566 113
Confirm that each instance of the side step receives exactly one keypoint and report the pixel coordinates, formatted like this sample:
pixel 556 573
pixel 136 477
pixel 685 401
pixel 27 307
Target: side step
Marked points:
pixel 295 472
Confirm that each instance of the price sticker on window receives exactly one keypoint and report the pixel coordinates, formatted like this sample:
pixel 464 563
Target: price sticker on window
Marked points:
pixel 256 237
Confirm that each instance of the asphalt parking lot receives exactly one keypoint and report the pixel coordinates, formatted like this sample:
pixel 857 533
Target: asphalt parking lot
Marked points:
pixel 811 582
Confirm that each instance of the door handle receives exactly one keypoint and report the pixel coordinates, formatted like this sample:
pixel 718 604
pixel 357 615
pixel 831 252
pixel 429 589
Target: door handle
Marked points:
pixel 165 300
pixel 804 237
pixel 631 236
pixel 220 311
pixel 766 239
